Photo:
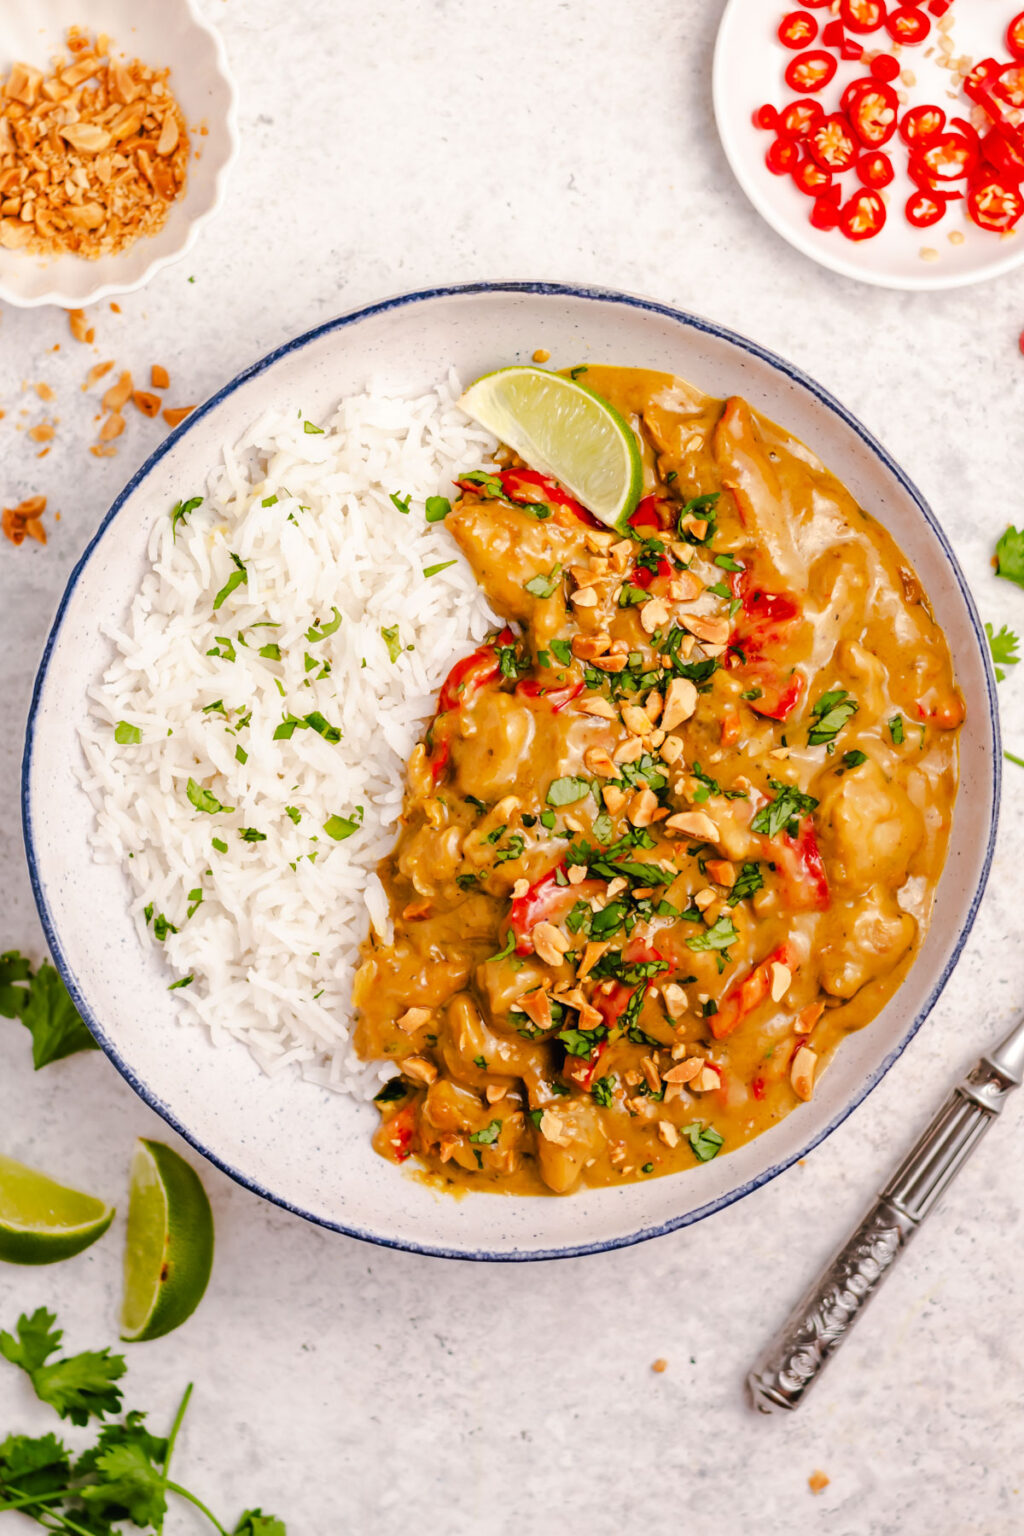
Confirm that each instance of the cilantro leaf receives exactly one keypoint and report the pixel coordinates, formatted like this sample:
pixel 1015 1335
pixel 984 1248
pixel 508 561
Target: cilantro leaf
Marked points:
pixel 1010 556
pixel 566 791
pixel 14 969
pixel 127 1480
pixel 748 882
pixel 720 935
pixel 896 730
pixel 203 800
pixel 433 570
pixel 321 631
pixel 488 1135
pixel 52 1020
pixel 255 1523
pixel 436 508
pixel 77 1387
pixel 395 1088
pixel 705 1141
pixel 544 586
pixel 1004 649
pixel 33 1465
pixel 127 735
pixel 789 805
pixel 340 827
pixel 181 510
pixel 832 711
pixel 392 640
pixel 239 578
pixel 400 503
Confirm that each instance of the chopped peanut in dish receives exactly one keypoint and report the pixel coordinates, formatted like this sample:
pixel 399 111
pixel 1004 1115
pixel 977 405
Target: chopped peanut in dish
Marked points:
pixel 92 154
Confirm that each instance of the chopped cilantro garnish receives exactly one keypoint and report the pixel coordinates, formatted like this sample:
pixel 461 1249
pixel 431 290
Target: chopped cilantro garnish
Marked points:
pixel 127 735
pixel 510 944
pixel 184 981
pixel 832 711
pixel 720 935
pixel 340 827
pixel 294 813
pixel 631 596
pixel 566 791
pixel 727 563
pixel 224 648
pixel 181 510
pixel 544 586
pixel 719 589
pixel 789 805
pixel 162 927
pixel 602 1091
pixel 239 578
pixel 562 651
pixel 203 800
pixel 896 730
pixel 705 1141
pixel 321 631
pixel 269 501
pixel 442 565
pixel 852 760
pixel 220 845
pixel 251 835
pixel 401 502
pixel 392 641
pixel 392 1090
pixel 580 1042
pixel 436 508
pixel 488 1135
pixel 270 652
pixel 574 373
pixel 748 882
pixel 310 427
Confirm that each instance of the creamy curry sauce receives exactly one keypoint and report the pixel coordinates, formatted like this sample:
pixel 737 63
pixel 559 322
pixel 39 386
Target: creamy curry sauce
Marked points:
pixel 676 831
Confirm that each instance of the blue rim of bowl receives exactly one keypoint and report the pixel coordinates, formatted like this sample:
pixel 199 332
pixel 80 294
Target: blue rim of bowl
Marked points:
pixel 400 301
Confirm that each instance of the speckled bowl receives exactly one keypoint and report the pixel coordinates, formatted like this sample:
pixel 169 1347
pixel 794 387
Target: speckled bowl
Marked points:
pixel 161 33
pixel 301 1146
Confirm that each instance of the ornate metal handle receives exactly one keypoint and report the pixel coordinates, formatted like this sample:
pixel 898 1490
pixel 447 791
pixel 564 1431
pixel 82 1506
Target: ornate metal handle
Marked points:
pixel 825 1314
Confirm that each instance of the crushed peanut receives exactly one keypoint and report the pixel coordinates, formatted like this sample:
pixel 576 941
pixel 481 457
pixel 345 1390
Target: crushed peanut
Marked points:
pixel 91 156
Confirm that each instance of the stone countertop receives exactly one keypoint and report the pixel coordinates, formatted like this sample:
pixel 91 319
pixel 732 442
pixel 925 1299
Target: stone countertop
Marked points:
pixel 353 1389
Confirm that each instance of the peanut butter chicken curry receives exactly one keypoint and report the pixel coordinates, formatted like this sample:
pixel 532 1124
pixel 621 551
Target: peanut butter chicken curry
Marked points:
pixel 676 829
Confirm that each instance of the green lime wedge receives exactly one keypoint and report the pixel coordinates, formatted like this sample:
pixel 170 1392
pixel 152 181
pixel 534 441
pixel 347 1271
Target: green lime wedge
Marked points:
pixel 168 1251
pixel 42 1221
pixel 565 430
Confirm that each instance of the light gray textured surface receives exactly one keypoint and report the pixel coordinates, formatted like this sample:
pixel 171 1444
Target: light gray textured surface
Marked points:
pixel 353 1389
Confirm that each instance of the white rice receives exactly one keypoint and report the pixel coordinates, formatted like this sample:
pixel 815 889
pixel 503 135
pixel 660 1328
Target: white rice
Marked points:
pixel 275 941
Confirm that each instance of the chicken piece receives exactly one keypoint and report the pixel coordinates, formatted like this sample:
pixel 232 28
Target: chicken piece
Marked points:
pixel 568 1136
pixel 493 742
pixel 862 940
pixel 506 550
pixel 465 1040
pixel 870 829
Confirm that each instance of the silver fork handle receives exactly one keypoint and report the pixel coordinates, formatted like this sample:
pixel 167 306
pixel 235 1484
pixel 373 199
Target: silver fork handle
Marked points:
pixel 823 1317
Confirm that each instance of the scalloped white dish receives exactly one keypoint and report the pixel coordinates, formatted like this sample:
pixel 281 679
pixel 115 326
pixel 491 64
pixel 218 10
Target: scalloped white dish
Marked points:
pixel 171 33
pixel 294 1142
pixel 748 72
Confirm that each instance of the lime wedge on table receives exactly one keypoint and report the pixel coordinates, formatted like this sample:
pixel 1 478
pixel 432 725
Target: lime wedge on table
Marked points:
pixel 564 430
pixel 42 1221
pixel 169 1247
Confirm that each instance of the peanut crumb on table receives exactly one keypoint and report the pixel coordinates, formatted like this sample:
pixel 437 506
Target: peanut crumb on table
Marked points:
pixel 818 1482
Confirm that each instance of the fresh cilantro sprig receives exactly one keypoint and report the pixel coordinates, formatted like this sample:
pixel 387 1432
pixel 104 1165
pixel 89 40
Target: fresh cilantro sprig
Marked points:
pixel 1010 556
pixel 1004 649
pixel 123 1476
pixel 784 812
pixel 41 1001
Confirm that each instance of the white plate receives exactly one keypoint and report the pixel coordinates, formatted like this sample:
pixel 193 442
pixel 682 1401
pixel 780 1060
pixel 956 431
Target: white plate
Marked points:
pixel 161 33
pixel 302 1146
pixel 748 72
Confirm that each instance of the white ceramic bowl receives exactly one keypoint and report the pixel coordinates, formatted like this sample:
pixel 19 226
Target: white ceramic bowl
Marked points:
pixel 160 32
pixel 300 1145
pixel 748 70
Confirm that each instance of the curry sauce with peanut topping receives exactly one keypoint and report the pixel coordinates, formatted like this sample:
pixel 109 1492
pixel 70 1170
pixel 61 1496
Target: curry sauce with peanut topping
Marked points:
pixel 675 829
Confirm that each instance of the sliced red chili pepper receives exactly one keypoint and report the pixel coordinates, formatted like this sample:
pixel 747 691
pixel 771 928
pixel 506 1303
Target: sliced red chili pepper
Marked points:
pixel 397 1133
pixel 810 178
pixel 757 1087
pixel 750 993
pixel 526 487
pixel 801 869
pixel 833 144
pixel 817 5
pixel 471 673
pixel 908 25
pixel 1004 152
pixel 937 7
pixel 874 114
pixel 853 91
pixel 646 514
pixel 885 67
pixel 996 205
pixel 581 1071
pixel 810 71
pixel 546 902
pixel 766 117
pixel 863 216
pixel 949 157
pixel 925 209
pixel 851 50
pixel 824 214
pixel 862 15
pixel 797 30
pixel 979 81
pixel 833 34
pixel 797 120
pixel 921 124
pixel 875 169
pixel 1015 36
pixel 558 698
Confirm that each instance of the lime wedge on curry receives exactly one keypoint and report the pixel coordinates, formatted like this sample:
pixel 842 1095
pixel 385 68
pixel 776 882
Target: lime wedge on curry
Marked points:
pixel 42 1221
pixel 565 430
pixel 169 1247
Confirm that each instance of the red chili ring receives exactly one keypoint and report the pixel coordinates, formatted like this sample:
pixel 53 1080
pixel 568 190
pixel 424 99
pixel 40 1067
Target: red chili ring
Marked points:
pixel 810 71
pixel 863 217
pixel 925 209
pixel 908 25
pixel 797 120
pixel 797 30
pixel 862 15
pixel 781 156
pixel 885 67
pixel 875 169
